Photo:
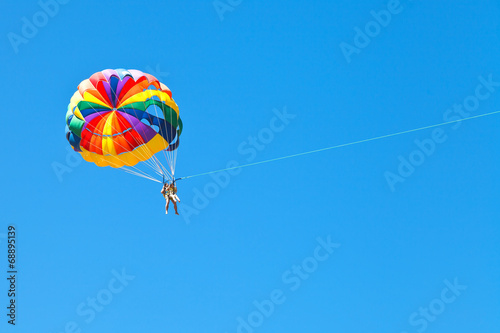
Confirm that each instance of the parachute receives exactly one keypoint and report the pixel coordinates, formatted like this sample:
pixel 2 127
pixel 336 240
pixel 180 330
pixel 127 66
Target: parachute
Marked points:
pixel 120 118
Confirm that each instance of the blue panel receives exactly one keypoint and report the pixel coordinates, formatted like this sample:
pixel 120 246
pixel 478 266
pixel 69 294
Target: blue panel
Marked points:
pixel 74 140
pixel 122 73
pixel 166 130
pixel 113 83
pixel 174 145
pixel 88 112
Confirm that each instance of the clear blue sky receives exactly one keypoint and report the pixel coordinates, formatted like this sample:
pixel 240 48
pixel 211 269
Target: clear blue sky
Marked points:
pixel 397 248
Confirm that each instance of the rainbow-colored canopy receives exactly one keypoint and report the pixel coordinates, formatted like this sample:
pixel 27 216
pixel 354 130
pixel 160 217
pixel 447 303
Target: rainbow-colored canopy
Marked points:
pixel 122 117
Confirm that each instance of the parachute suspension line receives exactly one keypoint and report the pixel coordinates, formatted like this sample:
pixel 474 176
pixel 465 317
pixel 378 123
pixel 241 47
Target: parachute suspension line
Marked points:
pixel 165 154
pixel 175 157
pixel 147 158
pixel 170 156
pixel 138 174
pixel 173 153
pixel 137 170
pixel 151 162
pixel 117 144
pixel 345 144
pixel 155 168
pixel 164 170
pixel 174 137
pixel 175 150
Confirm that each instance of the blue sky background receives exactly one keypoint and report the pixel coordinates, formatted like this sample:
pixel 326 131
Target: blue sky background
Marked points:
pixel 200 272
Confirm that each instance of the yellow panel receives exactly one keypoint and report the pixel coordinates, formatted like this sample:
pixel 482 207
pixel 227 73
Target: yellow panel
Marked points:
pixel 108 128
pixel 78 114
pixel 148 94
pixel 91 98
pixel 140 154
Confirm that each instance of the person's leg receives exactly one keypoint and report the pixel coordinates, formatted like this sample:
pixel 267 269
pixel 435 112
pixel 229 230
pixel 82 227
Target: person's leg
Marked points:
pixel 178 200
pixel 166 206
pixel 172 197
pixel 175 208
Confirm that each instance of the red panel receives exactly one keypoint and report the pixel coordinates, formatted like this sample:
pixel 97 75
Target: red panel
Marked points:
pixel 102 91
pixel 121 145
pixel 92 143
pixel 133 138
pixel 121 122
pixel 125 89
pixel 85 141
pixel 96 144
pixel 91 125
pixel 135 89
pixel 100 124
pixel 96 77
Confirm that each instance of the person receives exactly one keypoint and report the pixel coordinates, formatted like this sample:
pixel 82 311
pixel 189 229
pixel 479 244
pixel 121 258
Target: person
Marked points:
pixel 173 188
pixel 169 192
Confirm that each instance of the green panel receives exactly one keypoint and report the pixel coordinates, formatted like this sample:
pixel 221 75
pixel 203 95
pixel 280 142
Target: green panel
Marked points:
pixel 76 126
pixel 136 106
pixel 167 111
pixel 179 131
pixel 84 105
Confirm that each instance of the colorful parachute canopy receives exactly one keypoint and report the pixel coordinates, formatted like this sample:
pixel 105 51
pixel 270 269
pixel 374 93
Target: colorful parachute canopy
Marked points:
pixel 122 117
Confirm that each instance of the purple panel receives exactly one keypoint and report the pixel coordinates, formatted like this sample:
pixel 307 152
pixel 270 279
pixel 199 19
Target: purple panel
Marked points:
pixel 107 87
pixel 121 84
pixel 146 132
pixel 108 73
pixel 92 116
pixel 95 114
